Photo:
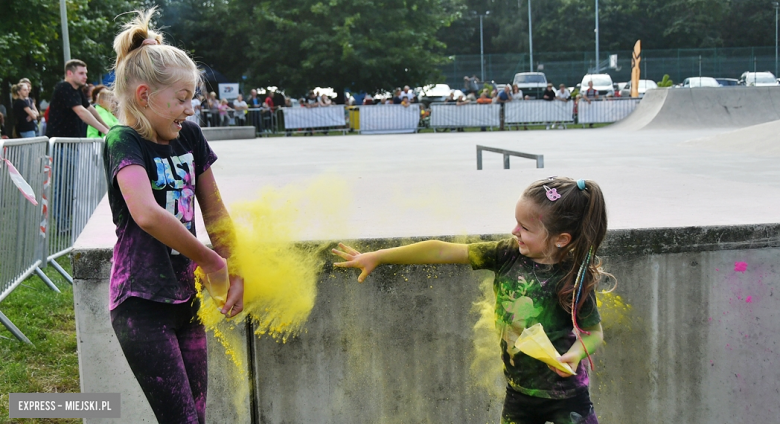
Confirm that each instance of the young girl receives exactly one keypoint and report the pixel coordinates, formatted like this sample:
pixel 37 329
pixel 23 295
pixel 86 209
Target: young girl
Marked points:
pixel 545 274
pixel 156 164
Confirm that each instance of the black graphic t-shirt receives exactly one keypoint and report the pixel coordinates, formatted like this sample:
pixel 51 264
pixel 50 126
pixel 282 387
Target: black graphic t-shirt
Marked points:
pixel 63 121
pixel 525 295
pixel 143 266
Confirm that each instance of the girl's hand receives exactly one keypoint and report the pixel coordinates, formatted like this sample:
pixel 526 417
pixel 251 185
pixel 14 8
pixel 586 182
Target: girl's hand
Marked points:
pixel 235 297
pixel 366 261
pixel 571 358
pixel 212 263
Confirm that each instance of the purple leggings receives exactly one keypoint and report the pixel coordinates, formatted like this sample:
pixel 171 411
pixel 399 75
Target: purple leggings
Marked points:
pixel 165 346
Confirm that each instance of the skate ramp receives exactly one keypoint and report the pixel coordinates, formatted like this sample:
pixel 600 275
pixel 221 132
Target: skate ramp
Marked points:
pixel 705 107
pixel 758 139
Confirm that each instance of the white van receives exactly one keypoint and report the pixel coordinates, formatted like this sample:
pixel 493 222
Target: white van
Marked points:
pixel 601 83
pixel 532 84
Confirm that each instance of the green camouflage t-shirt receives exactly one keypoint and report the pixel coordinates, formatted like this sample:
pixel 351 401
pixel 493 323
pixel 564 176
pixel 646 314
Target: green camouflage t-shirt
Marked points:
pixel 525 295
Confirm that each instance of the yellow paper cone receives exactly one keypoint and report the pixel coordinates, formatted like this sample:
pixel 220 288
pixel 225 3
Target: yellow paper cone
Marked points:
pixel 535 343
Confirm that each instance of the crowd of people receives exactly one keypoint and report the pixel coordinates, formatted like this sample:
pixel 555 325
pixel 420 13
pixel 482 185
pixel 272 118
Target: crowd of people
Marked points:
pixel 98 106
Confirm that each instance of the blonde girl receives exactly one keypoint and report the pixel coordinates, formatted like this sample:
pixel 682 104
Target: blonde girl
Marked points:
pixel 156 164
pixel 545 273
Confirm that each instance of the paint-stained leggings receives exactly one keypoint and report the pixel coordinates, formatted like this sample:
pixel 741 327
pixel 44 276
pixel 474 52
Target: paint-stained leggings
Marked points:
pixel 524 409
pixel 165 345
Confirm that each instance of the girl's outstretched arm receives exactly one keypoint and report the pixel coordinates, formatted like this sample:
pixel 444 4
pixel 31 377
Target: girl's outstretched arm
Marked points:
pixel 576 354
pixel 161 224
pixel 424 252
pixel 222 235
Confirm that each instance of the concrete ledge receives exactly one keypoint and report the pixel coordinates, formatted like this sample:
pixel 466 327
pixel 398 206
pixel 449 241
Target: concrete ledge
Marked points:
pixel 695 343
pixel 229 133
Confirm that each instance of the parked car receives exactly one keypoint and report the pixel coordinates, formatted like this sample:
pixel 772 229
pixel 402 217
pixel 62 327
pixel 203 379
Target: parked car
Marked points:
pixel 694 82
pixel 601 83
pixel 757 79
pixel 533 84
pixel 643 86
pixel 434 93
pixel 727 82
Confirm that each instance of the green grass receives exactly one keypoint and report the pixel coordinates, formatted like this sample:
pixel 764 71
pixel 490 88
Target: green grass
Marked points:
pixel 47 319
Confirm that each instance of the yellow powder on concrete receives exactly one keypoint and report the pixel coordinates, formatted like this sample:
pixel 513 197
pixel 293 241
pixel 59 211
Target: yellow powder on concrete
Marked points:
pixel 615 312
pixel 487 370
pixel 280 274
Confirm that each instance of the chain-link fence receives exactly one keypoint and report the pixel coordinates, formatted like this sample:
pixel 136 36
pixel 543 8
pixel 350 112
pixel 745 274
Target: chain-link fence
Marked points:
pixel 569 67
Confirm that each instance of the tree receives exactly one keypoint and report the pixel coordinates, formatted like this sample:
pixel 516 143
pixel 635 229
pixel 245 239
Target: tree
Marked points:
pixel 359 44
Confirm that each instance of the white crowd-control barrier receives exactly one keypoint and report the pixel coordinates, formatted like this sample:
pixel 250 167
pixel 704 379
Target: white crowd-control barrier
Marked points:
pixel 605 111
pixel 538 112
pixel 22 233
pixel 65 177
pixel 303 118
pixel 470 115
pixel 78 185
pixel 388 119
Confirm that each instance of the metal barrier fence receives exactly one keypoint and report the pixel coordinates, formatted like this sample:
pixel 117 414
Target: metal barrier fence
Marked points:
pixel 21 232
pixel 386 119
pixel 450 115
pixel 67 178
pixel 605 111
pixel 538 112
pixel 78 185
pixel 265 121
pixel 307 120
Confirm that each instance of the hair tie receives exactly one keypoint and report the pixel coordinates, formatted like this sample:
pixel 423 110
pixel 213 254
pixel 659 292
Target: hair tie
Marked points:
pixel 150 42
pixel 581 184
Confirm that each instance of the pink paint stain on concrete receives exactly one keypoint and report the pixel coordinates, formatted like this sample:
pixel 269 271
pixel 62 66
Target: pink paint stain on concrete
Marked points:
pixel 749 299
pixel 740 266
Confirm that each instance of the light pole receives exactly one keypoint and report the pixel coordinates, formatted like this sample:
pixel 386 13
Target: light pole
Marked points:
pixel 65 38
pixel 776 5
pixel 598 67
pixel 530 39
pixel 481 42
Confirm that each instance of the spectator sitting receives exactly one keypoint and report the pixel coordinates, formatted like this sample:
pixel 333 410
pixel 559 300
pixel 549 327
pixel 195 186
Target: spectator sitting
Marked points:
pixel 324 100
pixel 549 93
pixel 407 94
pixel 505 95
pixel 484 99
pixel 241 110
pixel 517 93
pixel 590 93
pixel 563 93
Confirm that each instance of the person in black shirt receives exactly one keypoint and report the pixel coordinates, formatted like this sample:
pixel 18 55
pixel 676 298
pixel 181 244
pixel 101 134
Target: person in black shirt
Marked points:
pixel 549 93
pixel 70 111
pixel 25 116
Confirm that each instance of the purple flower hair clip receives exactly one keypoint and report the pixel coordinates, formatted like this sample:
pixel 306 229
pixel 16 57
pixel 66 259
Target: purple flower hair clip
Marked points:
pixel 552 193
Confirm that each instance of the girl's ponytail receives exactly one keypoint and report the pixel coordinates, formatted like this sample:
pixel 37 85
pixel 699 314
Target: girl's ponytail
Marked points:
pixel 143 58
pixel 133 35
